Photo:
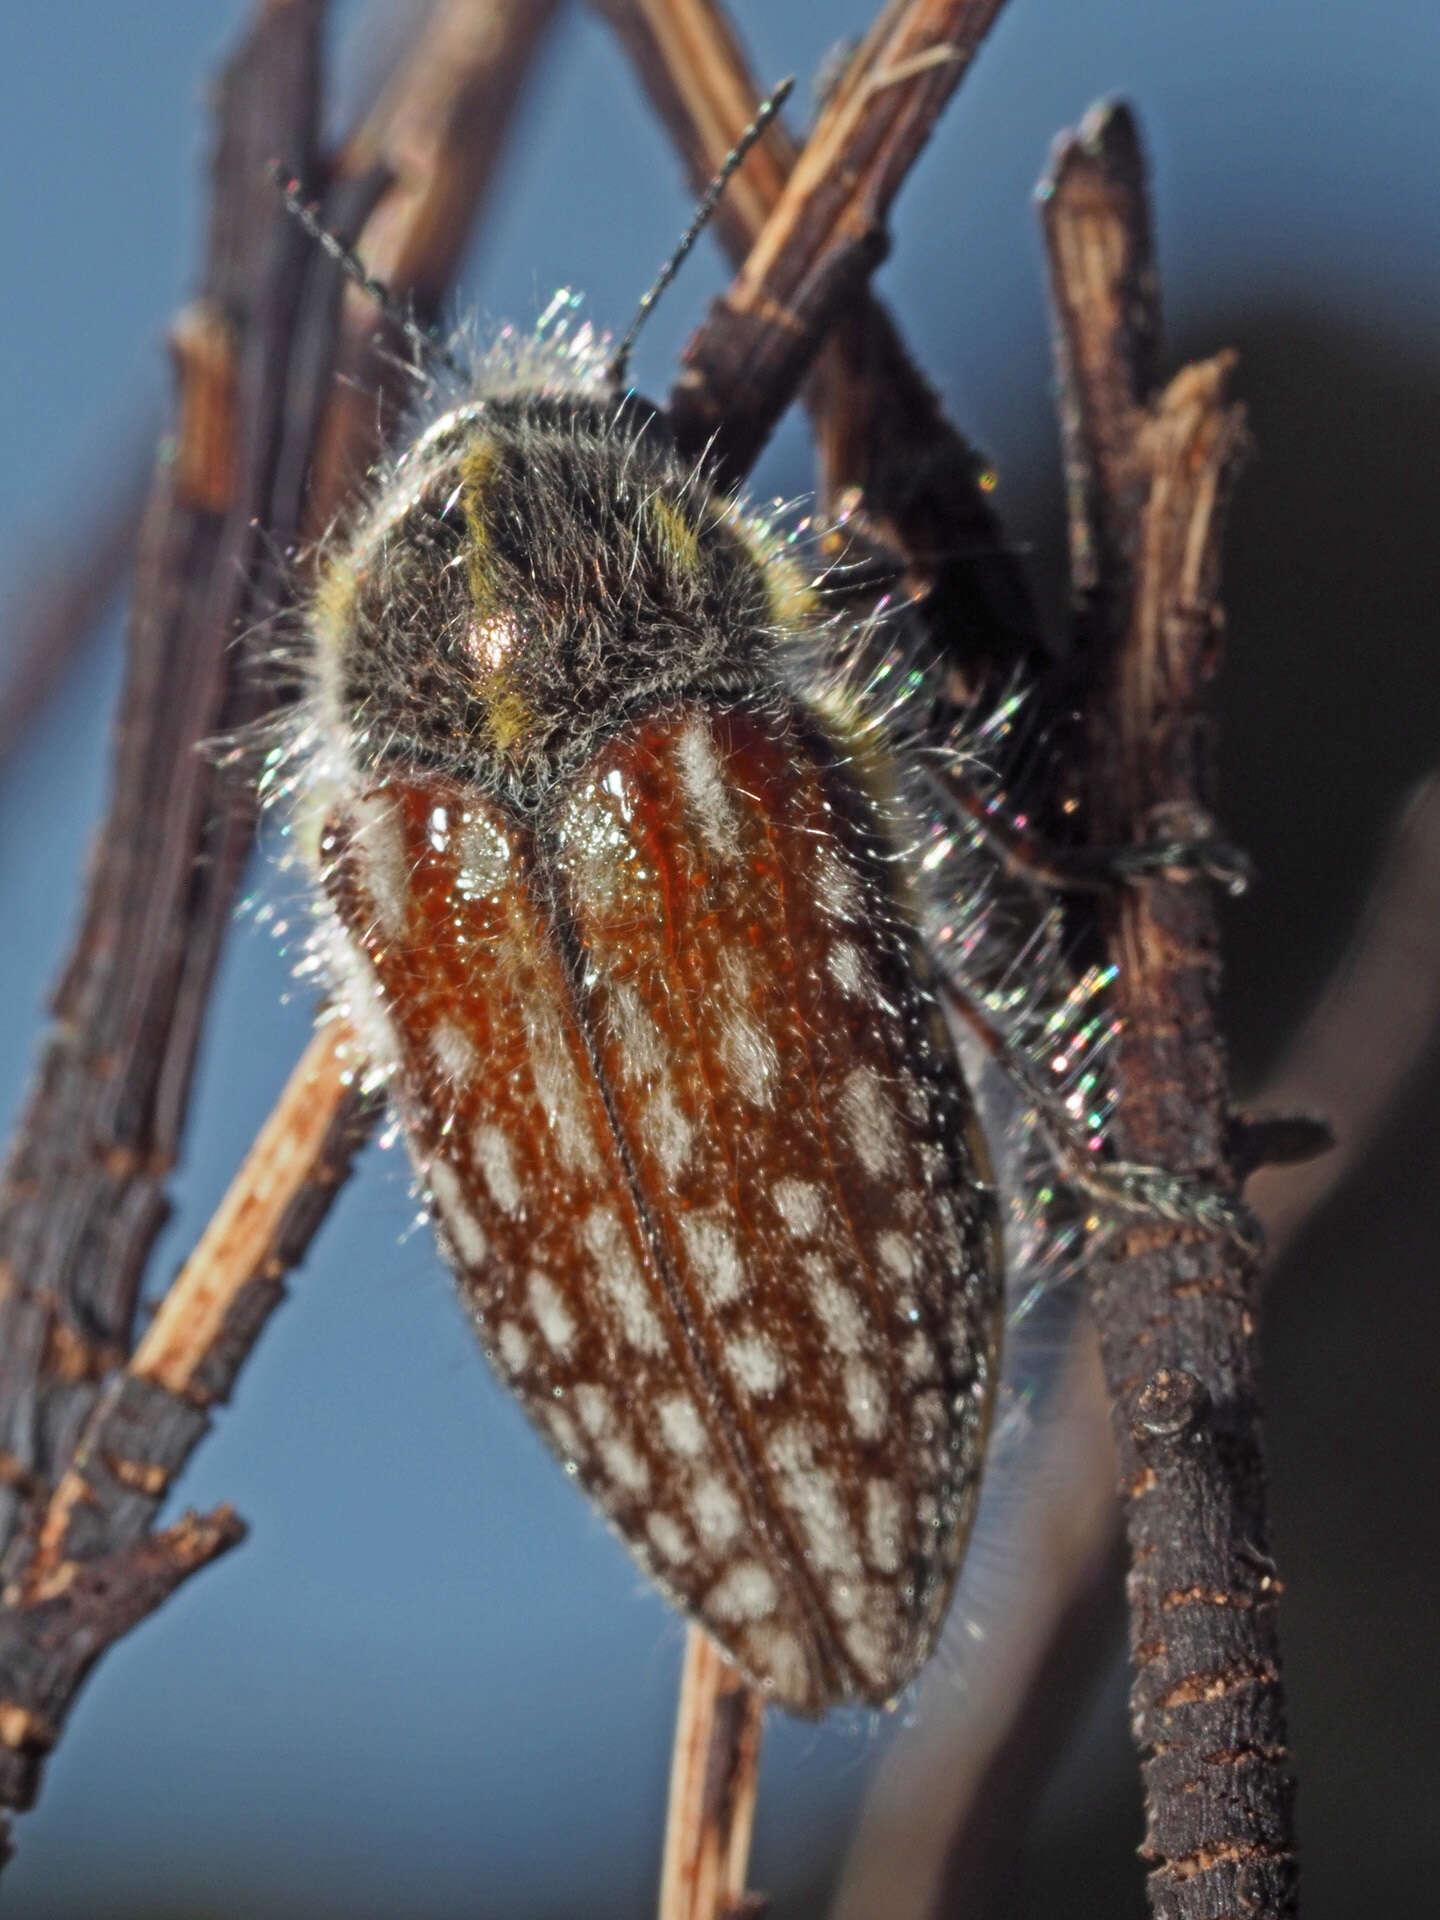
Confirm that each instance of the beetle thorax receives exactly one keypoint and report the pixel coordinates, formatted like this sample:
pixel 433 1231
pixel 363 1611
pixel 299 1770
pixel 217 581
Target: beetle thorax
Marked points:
pixel 541 575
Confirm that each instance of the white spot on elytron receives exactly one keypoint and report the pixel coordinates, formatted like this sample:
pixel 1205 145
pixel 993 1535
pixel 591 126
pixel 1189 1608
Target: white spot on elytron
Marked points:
pixel 625 1466
pixel 867 1649
pixel 801 1205
pixel 668 1130
pixel 668 1537
pixel 593 1405
pixel 438 829
pixel 837 886
pixel 455 1216
pixel 702 781
pixel 884 1519
pixel 746 1592
pixel 865 1399
pixel 896 1255
pixel 558 1089
pixel 379 843
pixel 513 1345
pixel 485 863
pixel 812 1495
pixel 494 1158
pixel 918 1359
pixel 927 1418
pixel 619 1274
pixel 643 1055
pixel 845 1598
pixel 682 1426
pixel 870 1123
pixel 846 967
pixel 777 1656
pixel 595 850
pixel 755 1363
pixel 552 1316
pixel 748 1055
pixel 563 1428
pixel 715 1511
pixel 712 1252
pixel 835 1307
pixel 452 1050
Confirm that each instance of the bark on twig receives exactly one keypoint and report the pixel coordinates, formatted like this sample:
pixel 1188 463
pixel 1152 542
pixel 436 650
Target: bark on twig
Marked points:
pixel 892 467
pixel 434 137
pixel 1175 1306
pixel 83 1198
pixel 83 1194
pixel 826 234
pixel 713 1777
pixel 96 1569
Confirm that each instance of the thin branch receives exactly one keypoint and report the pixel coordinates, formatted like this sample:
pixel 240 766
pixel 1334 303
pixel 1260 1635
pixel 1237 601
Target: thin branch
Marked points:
pixel 435 136
pixel 1175 1306
pixel 903 479
pixel 97 1569
pixel 756 346
pixel 713 1778
pixel 83 1195
pixel 83 1198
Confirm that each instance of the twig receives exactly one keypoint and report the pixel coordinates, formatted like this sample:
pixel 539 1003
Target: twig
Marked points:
pixel 83 1195
pixel 97 1570
pixel 435 136
pixel 1174 1306
pixel 826 234
pixel 810 257
pixel 83 1198
pixel 712 1789
pixel 890 461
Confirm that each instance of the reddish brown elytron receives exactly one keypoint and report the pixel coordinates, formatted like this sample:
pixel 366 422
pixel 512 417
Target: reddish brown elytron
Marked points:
pixel 664 1048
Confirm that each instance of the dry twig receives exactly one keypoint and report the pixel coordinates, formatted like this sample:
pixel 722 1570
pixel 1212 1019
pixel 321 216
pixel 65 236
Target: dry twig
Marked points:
pixel 890 461
pixel 82 1199
pixel 804 270
pixel 1149 473
pixel 83 1196
pixel 713 1777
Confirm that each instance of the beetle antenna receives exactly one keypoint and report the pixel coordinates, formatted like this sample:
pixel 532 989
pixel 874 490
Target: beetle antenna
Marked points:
pixel 619 365
pixel 423 342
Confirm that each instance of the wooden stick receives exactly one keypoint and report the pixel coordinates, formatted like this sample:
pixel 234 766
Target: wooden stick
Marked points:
pixel 891 463
pixel 1150 470
pixel 82 1197
pixel 826 233
pixel 96 1568
pixel 713 1775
